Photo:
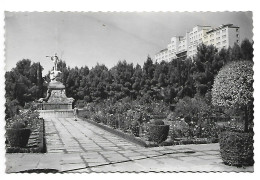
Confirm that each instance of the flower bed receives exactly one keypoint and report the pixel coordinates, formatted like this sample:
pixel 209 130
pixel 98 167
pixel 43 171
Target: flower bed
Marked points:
pixel 36 143
pixel 133 120
pixel 142 141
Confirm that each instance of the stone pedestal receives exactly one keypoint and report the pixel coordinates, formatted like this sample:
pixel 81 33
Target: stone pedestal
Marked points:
pixel 56 98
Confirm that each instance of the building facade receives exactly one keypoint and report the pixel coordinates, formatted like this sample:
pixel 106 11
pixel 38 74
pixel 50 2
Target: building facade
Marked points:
pixel 182 47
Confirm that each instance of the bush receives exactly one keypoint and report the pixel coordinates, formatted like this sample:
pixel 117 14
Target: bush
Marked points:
pixel 12 108
pixel 192 110
pixel 112 121
pixel 30 106
pixel 193 115
pixel 80 104
pixel 18 125
pixel 124 122
pixel 86 114
pixel 180 129
pixel 237 148
pixel 27 117
pixel 209 129
pixel 158 133
pixel 171 117
pixel 99 117
pixel 135 128
pixel 18 135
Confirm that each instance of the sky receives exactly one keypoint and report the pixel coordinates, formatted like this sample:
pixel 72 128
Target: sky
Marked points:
pixel 85 39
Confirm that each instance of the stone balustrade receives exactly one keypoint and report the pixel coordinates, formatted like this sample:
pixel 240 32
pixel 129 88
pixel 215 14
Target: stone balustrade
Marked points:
pixel 60 113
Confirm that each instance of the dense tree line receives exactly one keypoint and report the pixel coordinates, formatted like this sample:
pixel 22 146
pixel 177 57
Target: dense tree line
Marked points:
pixel 24 83
pixel 167 81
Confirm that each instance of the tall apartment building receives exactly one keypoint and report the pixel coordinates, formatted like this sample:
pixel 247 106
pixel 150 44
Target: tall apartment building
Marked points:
pixel 196 38
pixel 186 46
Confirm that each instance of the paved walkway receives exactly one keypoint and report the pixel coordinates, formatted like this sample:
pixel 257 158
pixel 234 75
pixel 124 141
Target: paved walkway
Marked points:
pixel 77 146
pixel 64 135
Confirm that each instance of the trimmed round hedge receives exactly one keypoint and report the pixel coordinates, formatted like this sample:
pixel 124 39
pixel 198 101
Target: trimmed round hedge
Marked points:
pixel 18 137
pixel 234 84
pixel 236 148
pixel 158 133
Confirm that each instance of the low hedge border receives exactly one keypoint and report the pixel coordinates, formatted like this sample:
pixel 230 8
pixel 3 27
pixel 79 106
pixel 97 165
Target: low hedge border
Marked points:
pixel 195 141
pixel 183 142
pixel 41 146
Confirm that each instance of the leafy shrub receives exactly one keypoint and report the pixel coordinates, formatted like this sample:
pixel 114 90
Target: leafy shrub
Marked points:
pixel 98 117
pixel 209 129
pixel 80 104
pixel 31 106
pixel 194 116
pixel 112 121
pixel 171 116
pixel 180 129
pixel 146 99
pixel 192 110
pixel 28 117
pixel 158 133
pixel 86 114
pixel 123 122
pixel 18 125
pixel 12 108
pixel 135 128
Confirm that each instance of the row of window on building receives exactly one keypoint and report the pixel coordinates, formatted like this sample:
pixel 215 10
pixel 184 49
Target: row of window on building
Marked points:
pixel 221 37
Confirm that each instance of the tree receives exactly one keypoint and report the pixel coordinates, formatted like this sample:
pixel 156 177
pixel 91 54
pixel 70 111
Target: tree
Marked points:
pixel 247 50
pixel 236 54
pixel 206 65
pixel 233 87
pixel 39 81
pixel 148 68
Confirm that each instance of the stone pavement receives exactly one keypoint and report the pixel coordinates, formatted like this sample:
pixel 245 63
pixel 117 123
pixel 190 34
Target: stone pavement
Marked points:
pixel 77 146
pixel 69 136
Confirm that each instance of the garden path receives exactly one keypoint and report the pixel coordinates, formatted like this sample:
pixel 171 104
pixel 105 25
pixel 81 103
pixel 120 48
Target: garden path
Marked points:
pixel 77 146
pixel 64 135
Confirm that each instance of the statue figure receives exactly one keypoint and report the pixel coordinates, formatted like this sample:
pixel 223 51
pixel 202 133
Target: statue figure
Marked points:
pixel 54 73
pixel 55 60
